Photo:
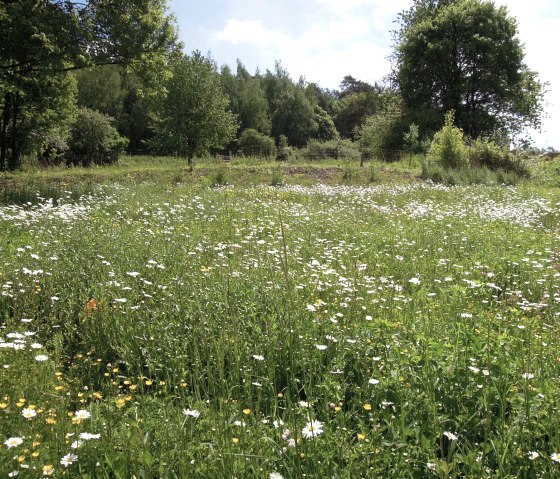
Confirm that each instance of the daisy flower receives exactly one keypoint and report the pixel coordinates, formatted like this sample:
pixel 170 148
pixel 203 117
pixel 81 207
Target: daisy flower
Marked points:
pixel 82 414
pixel 13 442
pixel 28 413
pixel 68 460
pixel 312 429
pixel 192 413
pixel 450 436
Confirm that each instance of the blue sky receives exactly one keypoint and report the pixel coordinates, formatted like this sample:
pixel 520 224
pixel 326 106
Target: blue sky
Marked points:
pixel 324 40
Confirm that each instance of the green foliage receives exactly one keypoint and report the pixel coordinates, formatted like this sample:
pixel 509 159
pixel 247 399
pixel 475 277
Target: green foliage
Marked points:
pixel 339 149
pixel 284 151
pixel 486 153
pixel 100 88
pixel 277 177
pixel 384 130
pixel 41 41
pixel 437 173
pixel 411 138
pixel 465 55
pixel 247 99
pixel 253 143
pixel 124 96
pixel 219 177
pixel 194 117
pixel 326 130
pixel 322 97
pixel 357 101
pixel 448 148
pixel 94 140
pixel 294 117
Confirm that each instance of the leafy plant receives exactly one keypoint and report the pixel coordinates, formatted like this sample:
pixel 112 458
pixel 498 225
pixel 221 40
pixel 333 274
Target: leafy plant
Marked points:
pixel 94 140
pixel 486 153
pixel 254 143
pixel 448 148
pixel 337 149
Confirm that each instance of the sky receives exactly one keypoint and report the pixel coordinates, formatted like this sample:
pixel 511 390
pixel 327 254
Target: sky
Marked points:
pixel 324 40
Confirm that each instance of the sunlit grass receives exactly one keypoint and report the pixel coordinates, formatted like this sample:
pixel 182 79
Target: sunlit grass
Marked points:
pixel 178 329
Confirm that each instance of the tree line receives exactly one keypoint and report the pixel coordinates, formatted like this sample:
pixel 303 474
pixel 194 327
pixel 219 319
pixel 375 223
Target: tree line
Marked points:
pixel 80 81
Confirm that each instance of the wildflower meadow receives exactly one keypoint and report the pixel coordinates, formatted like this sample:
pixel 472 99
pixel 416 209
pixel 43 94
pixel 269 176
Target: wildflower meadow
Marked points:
pixel 172 330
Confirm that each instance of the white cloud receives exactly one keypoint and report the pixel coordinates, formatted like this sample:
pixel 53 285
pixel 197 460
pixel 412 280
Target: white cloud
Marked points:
pixel 363 60
pixel 250 31
pixel 342 38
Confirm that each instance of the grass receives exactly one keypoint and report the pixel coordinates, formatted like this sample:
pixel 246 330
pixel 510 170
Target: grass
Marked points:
pixel 158 325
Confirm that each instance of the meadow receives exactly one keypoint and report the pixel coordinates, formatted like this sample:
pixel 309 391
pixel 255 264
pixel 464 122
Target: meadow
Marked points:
pixel 262 321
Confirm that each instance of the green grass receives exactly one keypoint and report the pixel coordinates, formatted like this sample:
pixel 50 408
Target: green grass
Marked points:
pixel 415 322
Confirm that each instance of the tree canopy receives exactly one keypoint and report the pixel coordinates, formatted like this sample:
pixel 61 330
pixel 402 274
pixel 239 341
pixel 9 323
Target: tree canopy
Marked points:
pixel 195 115
pixel 465 56
pixel 41 40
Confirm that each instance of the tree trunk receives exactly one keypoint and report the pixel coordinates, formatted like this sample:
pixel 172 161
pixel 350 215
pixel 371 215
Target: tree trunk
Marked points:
pixel 4 132
pixel 14 157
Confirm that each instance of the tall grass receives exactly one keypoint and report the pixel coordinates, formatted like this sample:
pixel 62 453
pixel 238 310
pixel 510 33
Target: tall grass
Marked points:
pixel 322 331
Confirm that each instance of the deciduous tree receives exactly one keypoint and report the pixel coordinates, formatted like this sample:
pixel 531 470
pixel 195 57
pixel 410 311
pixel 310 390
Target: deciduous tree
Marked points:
pixel 465 56
pixel 195 115
pixel 40 39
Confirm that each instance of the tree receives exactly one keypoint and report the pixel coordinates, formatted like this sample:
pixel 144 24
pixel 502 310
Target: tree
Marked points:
pixel 42 39
pixel 195 115
pixel 357 101
pixel 120 94
pixel 247 99
pixel 94 140
pixel 448 147
pixel 294 117
pixel 385 129
pixel 326 130
pixel 254 143
pixel 464 55
pixel 100 88
pixel 322 97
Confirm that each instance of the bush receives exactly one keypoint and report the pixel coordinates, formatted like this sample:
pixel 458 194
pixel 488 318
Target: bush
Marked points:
pixel 254 143
pixel 448 148
pixel 384 130
pixel 437 173
pixel 53 150
pixel 332 149
pixel 284 151
pixel 94 140
pixel 486 153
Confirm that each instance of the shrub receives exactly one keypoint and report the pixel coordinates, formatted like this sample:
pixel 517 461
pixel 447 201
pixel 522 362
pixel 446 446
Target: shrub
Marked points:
pixel 254 143
pixel 284 151
pixel 486 153
pixel 411 138
pixel 382 131
pixel 219 177
pixel 94 140
pixel 337 149
pixel 53 150
pixel 448 148
pixel 277 177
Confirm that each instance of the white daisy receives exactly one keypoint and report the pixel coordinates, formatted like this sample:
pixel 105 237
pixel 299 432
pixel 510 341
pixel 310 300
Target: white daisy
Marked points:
pixel 192 413
pixel 312 429
pixel 68 460
pixel 13 442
